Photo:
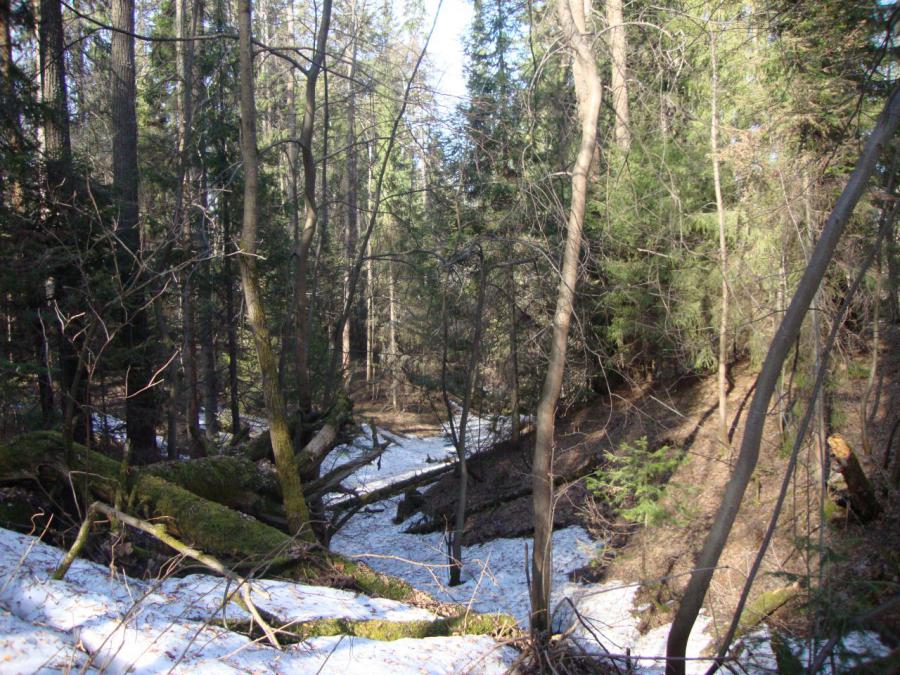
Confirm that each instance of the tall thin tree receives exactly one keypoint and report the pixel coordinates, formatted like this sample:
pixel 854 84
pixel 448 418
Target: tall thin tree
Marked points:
pixel 589 92
pixel 140 406
pixel 279 433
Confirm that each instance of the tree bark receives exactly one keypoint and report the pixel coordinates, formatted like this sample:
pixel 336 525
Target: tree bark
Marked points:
pixel 460 434
pixel 781 345
pixel 393 346
pixel 515 425
pixel 187 20
pixel 619 76
pixel 352 177
pixel 304 242
pixel 863 503
pixel 61 191
pixel 208 326
pixel 140 403
pixel 589 93
pixel 723 248
pixel 279 434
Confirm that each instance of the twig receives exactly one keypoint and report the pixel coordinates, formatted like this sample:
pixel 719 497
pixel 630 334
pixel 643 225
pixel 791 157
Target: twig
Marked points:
pixel 159 532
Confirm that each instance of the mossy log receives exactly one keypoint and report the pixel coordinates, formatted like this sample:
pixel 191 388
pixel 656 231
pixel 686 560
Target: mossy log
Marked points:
pixel 235 482
pixel 863 503
pixel 496 625
pixel 764 605
pixel 209 526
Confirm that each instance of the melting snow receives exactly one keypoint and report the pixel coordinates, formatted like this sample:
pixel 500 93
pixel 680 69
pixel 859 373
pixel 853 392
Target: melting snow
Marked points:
pixel 149 627
pixel 96 620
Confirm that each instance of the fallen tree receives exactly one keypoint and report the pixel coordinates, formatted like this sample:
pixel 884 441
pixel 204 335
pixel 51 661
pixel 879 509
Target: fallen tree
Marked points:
pixel 207 526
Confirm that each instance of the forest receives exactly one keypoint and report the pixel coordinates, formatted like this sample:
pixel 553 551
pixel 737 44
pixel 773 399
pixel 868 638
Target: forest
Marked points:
pixel 587 363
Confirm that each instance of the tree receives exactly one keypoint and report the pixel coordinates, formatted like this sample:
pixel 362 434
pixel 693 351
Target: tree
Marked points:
pixel 279 433
pixel 311 213
pixel 60 175
pixel 781 344
pixel 619 74
pixel 588 89
pixel 140 407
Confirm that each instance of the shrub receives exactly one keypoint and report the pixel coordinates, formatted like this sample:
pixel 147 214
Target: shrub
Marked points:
pixel 634 480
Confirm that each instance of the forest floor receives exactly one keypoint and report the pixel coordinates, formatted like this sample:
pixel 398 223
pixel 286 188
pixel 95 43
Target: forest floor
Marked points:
pixel 653 560
pixel 616 582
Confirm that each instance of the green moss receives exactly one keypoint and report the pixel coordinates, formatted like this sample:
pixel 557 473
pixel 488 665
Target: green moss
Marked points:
pixel 379 629
pixel 219 479
pixel 213 527
pixel 373 583
pixel 765 604
pixel 25 455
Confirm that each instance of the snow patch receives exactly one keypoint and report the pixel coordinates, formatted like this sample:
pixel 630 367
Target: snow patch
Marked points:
pixel 98 621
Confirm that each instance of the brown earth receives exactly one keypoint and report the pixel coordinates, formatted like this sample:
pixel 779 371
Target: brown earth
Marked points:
pixel 683 414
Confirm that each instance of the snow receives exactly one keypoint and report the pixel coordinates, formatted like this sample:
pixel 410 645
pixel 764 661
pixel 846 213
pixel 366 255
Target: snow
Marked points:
pixel 115 624
pixel 854 649
pixel 97 620
pixel 602 620
pixel 494 577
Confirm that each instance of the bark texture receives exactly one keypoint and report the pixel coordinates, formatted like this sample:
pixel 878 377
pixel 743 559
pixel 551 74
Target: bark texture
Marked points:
pixel 285 461
pixel 140 404
pixel 619 78
pixel 589 92
pixel 304 241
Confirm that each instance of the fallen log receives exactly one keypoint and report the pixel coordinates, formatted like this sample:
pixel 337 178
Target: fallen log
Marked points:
pixel 764 605
pixel 206 524
pixel 158 531
pixel 357 500
pixel 315 452
pixel 860 494
pixel 211 527
pixel 499 626
pixel 331 480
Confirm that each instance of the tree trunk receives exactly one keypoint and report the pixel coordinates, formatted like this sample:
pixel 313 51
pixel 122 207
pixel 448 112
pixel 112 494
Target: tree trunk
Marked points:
pixel 61 191
pixel 393 347
pixel 723 249
pixel 816 339
pixel 187 24
pixel 140 404
pixel 304 242
pixel 208 325
pixel 351 177
pixel 459 526
pixel 588 90
pixel 515 426
pixel 282 448
pixel 232 317
pixel 619 79
pixel 766 381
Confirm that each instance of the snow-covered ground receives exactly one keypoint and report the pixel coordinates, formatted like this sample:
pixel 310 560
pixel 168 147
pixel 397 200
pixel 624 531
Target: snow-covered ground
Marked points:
pixel 98 620
pixel 494 574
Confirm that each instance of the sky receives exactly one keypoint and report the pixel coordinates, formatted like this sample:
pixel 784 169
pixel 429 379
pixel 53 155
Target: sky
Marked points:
pixel 446 46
